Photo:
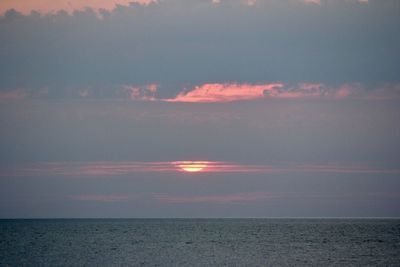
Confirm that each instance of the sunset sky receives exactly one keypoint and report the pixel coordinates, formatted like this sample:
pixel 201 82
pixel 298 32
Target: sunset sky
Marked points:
pixel 199 108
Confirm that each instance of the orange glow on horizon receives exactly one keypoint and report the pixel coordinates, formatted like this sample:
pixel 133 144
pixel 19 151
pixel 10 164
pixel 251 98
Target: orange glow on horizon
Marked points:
pixel 192 166
pixel 108 169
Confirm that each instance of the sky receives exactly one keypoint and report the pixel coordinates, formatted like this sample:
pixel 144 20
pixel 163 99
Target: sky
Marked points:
pixel 199 108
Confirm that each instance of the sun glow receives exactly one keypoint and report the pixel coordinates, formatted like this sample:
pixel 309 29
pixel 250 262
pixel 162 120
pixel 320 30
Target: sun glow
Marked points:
pixel 192 166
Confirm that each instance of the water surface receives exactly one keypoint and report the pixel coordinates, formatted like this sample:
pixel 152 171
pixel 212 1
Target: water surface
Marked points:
pixel 200 242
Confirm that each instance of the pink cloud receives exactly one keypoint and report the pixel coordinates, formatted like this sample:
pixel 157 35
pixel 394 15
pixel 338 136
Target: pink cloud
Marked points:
pixel 152 88
pixel 50 6
pixel 349 90
pixel 224 92
pixel 105 169
pixel 228 92
pixel 250 2
pixel 16 94
pixel 100 198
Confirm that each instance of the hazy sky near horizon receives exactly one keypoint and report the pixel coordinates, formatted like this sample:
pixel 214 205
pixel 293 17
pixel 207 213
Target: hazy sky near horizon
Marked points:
pixel 290 108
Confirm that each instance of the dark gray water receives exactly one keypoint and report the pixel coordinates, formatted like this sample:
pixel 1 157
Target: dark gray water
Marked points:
pixel 200 242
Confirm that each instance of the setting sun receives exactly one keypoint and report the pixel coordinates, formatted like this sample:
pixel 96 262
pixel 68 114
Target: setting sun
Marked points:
pixel 192 166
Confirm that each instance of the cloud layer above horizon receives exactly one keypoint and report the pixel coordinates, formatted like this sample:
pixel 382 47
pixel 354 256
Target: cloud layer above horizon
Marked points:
pixel 50 6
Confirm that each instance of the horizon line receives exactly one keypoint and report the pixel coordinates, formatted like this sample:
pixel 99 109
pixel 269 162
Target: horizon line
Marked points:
pixel 206 218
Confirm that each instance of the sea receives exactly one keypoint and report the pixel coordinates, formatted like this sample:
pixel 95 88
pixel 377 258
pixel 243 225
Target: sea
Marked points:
pixel 200 242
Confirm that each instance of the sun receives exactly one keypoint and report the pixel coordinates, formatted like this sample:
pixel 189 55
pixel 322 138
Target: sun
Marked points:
pixel 192 166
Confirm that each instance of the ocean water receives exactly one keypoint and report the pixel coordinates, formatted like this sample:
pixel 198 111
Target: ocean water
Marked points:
pixel 200 242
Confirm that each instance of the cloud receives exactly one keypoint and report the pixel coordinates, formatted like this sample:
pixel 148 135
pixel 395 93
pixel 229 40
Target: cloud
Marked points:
pixel 51 6
pixel 216 92
pixel 104 169
pixel 224 92
pixel 385 92
pixel 232 198
pixel 220 199
pixel 143 93
pixel 100 198
pixel 318 2
pixel 228 92
pixel 12 95
pixel 174 42
pixel 246 197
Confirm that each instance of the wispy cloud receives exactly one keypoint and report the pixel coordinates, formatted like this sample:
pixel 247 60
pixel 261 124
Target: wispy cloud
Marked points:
pixel 10 95
pixel 318 2
pixel 231 198
pixel 102 169
pixel 100 198
pixel 246 197
pixel 228 198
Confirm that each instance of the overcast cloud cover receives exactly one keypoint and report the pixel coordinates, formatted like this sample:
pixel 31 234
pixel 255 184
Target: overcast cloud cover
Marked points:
pixel 183 42
pixel 294 104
